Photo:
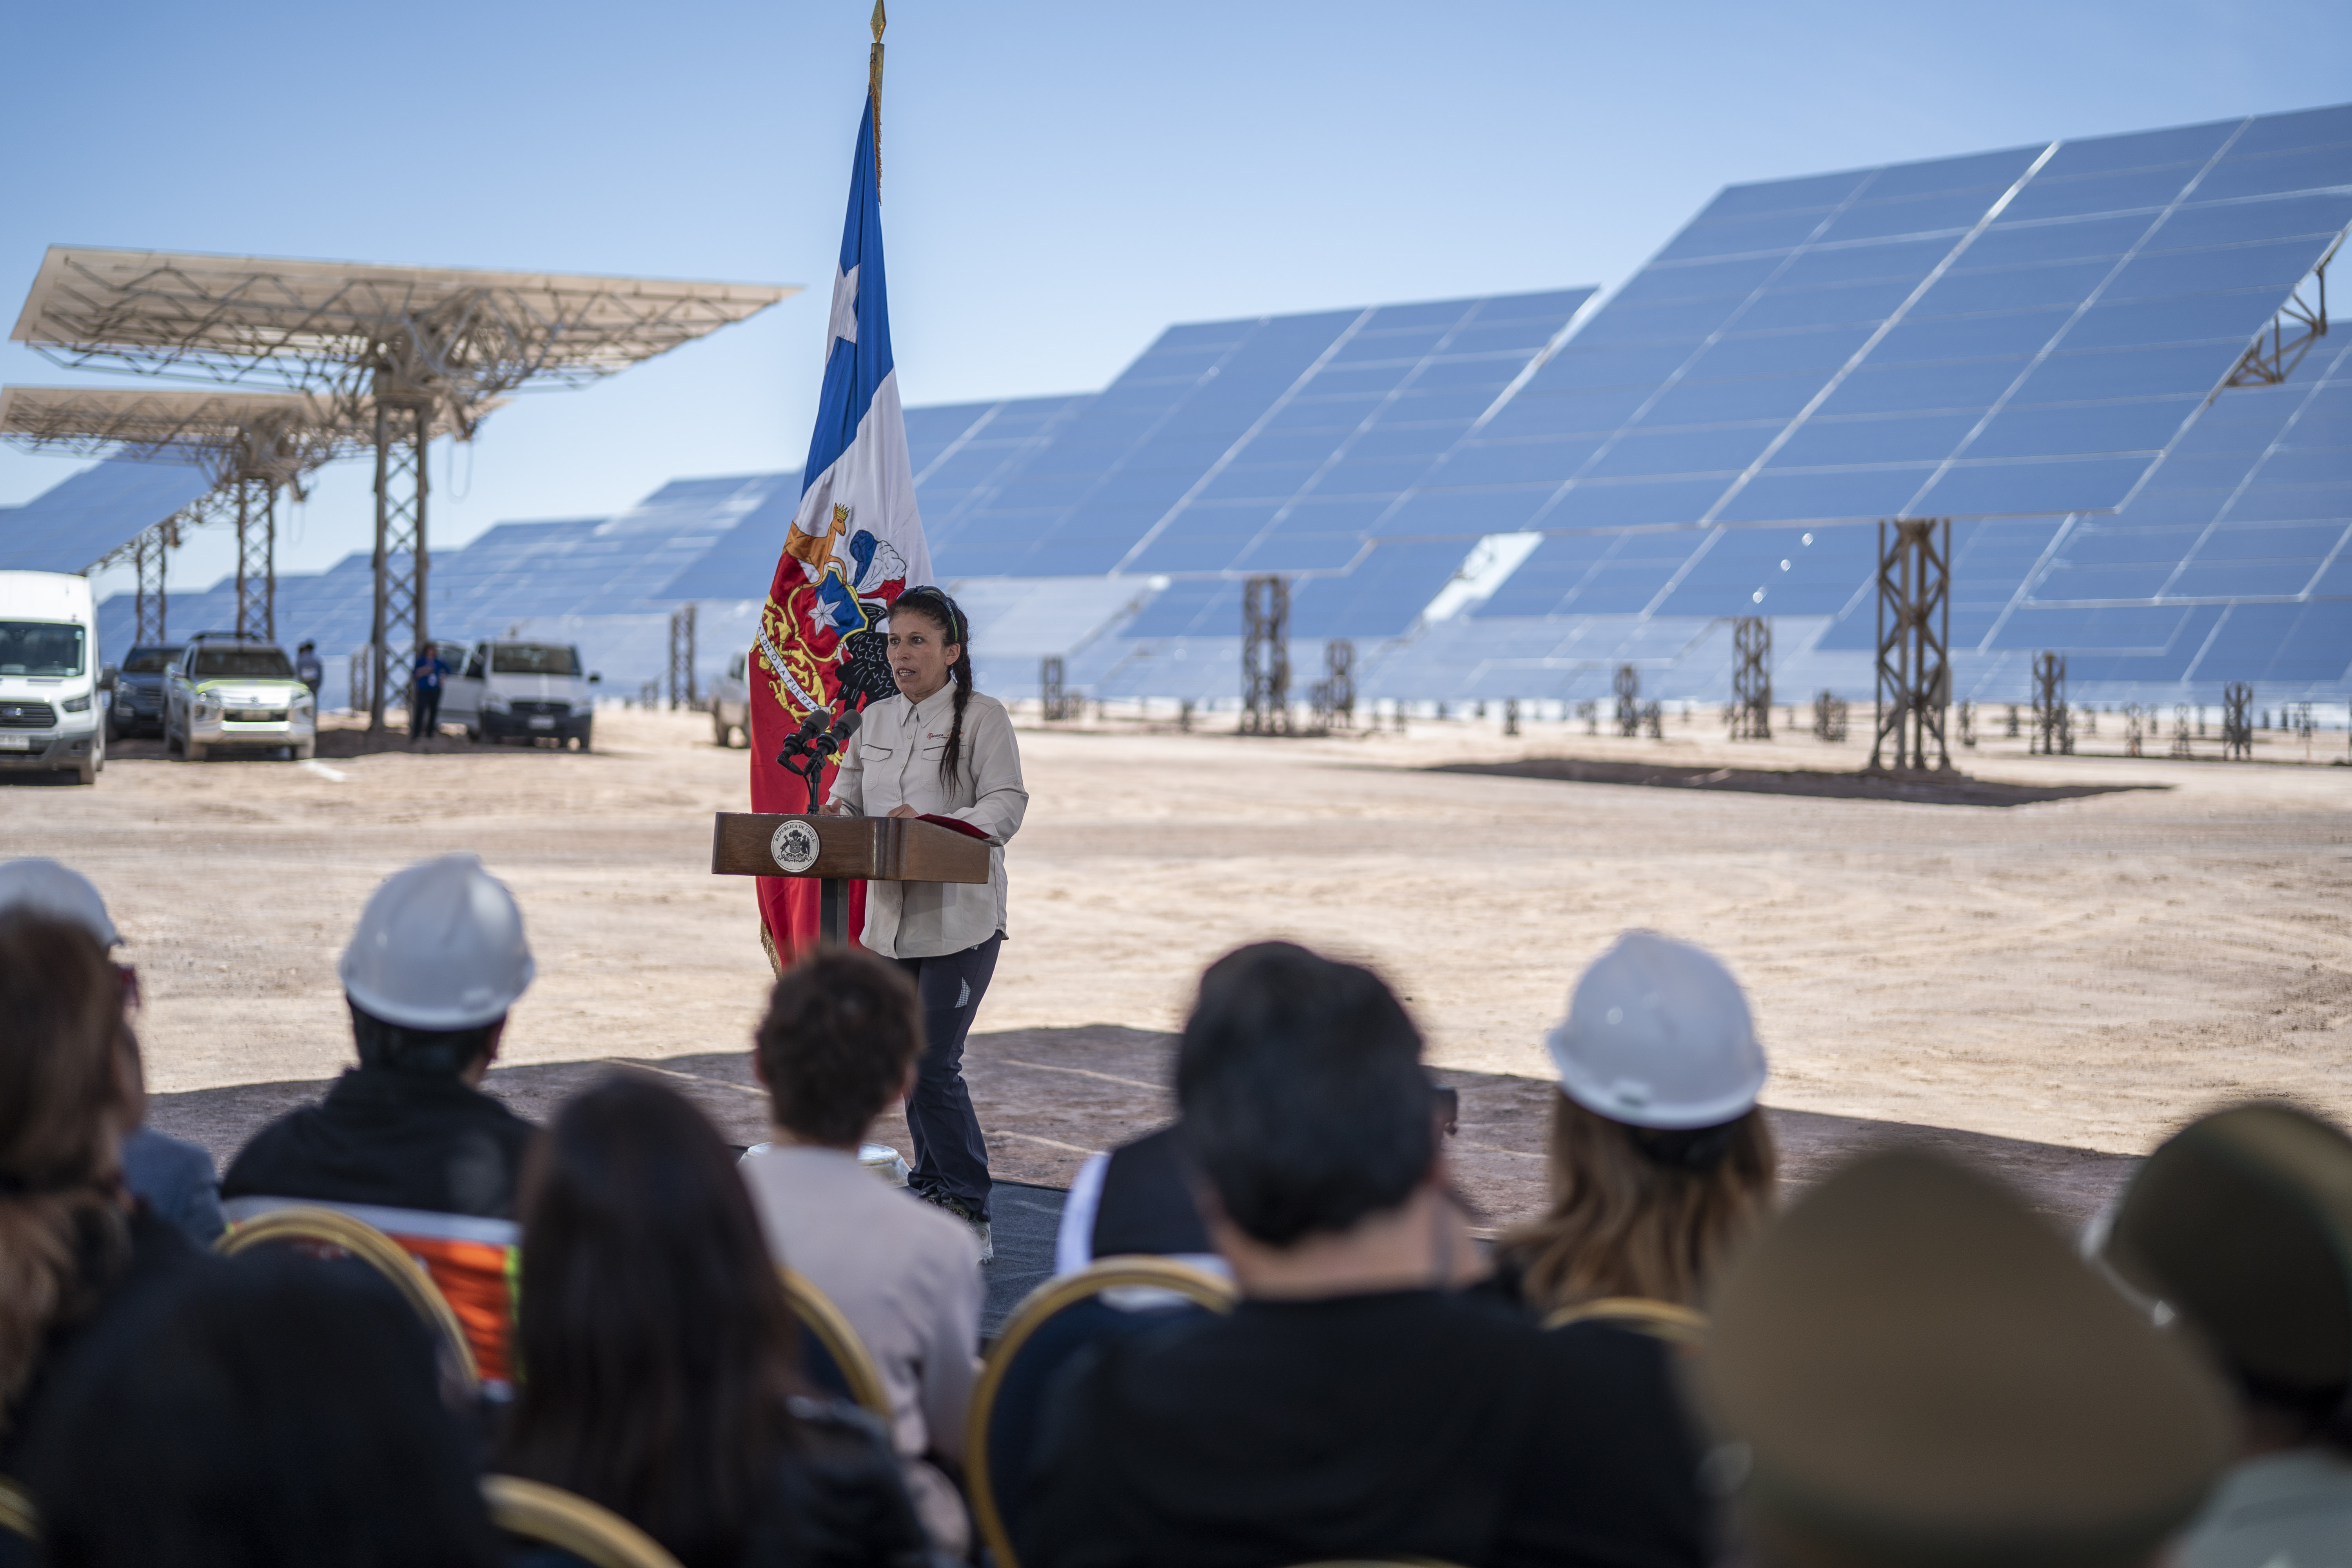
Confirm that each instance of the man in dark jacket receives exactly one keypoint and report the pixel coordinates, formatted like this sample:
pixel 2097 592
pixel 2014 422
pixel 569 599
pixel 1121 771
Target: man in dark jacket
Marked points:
pixel 407 1141
pixel 1352 1406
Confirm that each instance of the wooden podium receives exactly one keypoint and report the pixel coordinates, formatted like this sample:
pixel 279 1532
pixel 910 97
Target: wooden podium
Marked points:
pixel 839 851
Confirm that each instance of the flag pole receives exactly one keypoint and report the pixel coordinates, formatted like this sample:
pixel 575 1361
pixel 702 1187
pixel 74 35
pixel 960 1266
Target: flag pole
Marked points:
pixel 874 86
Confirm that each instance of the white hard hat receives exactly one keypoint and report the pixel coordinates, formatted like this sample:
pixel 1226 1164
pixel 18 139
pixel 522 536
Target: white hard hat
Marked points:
pixel 48 888
pixel 1658 1034
pixel 439 946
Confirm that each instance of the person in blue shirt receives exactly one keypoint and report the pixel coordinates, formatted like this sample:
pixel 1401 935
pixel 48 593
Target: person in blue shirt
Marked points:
pixel 425 702
pixel 307 667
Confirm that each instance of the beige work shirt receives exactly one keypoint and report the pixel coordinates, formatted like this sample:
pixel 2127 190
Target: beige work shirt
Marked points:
pixel 908 1278
pixel 894 760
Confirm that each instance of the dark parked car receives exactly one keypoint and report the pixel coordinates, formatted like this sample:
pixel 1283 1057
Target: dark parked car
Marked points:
pixel 138 707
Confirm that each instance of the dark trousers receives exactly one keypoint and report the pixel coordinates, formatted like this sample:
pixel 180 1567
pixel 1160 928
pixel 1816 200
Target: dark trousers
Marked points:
pixel 425 713
pixel 950 1156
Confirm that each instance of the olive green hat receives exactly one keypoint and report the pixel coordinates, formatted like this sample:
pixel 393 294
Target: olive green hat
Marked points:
pixel 2242 1223
pixel 1910 1368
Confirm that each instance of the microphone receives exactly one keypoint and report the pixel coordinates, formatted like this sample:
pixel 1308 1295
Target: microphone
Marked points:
pixel 846 725
pixel 796 745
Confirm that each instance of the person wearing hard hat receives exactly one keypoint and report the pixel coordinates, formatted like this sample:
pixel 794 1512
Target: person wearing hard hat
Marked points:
pixel 407 1141
pixel 2239 1228
pixel 1910 1370
pixel 175 1178
pixel 1661 1162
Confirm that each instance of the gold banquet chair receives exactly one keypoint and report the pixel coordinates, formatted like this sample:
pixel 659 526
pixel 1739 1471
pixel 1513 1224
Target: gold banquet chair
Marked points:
pixel 324 1229
pixel 1682 1328
pixel 20 1525
pixel 1059 1319
pixel 569 1524
pixel 832 1357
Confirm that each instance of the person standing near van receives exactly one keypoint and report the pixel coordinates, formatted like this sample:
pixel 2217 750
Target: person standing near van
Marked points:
pixel 938 749
pixel 425 701
pixel 307 667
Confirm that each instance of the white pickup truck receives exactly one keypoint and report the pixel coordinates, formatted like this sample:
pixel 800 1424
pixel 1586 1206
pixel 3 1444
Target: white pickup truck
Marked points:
pixel 522 691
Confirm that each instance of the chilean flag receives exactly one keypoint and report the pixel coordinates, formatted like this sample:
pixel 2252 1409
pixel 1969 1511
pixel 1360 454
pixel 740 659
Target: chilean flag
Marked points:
pixel 854 545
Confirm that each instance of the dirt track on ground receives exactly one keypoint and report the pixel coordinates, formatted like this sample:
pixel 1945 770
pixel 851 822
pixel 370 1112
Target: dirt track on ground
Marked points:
pixel 2085 972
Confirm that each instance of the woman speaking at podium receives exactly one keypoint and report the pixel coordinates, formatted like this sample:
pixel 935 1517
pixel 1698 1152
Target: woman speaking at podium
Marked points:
pixel 938 749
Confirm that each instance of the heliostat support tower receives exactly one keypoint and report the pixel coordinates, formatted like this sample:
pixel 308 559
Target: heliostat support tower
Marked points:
pixel 398 353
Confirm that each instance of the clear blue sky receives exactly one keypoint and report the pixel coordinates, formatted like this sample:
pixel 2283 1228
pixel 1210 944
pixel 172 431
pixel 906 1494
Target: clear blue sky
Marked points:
pixel 1060 180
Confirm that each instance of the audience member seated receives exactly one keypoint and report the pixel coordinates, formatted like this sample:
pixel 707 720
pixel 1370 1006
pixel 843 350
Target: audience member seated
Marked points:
pixel 1135 1198
pixel 838 1046
pixel 272 1412
pixel 77 1254
pixel 1350 1407
pixel 407 1141
pixel 1661 1162
pixel 2242 1227
pixel 660 1355
pixel 1909 1370
pixel 175 1178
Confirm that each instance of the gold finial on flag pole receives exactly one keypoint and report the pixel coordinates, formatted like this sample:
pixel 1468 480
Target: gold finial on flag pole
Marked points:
pixel 874 84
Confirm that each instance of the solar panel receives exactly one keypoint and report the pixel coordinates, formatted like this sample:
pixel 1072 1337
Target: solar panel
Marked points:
pixel 2233 562
pixel 1281 443
pixel 75 524
pixel 2010 333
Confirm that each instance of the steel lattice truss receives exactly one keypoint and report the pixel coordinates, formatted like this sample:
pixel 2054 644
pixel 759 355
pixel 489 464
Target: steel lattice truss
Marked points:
pixel 273 437
pixel 452 337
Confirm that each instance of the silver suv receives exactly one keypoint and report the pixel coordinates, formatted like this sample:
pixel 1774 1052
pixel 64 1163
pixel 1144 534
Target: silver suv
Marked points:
pixel 226 692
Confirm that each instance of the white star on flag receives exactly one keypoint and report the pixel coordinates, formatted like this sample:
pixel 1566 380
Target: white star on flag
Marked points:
pixel 844 306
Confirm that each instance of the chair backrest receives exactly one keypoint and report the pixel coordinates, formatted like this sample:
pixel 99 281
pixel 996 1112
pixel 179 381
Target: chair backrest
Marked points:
pixel 330 1231
pixel 1682 1328
pixel 832 1355
pixel 551 1517
pixel 16 1515
pixel 1059 1319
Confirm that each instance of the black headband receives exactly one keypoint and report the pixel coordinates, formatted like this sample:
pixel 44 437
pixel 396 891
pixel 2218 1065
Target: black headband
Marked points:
pixel 928 597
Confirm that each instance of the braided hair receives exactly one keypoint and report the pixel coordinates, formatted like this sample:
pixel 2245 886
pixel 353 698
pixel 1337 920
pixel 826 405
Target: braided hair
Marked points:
pixel 933 604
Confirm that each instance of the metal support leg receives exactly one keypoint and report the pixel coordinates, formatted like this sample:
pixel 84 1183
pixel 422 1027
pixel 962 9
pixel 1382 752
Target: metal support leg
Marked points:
pixel 1265 656
pixel 1751 679
pixel 401 563
pixel 1628 685
pixel 682 692
pixel 270 563
pixel 150 556
pixel 1915 623
pixel 2053 730
pixel 257 565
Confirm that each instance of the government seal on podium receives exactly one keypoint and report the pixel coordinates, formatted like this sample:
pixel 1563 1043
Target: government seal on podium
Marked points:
pixel 794 846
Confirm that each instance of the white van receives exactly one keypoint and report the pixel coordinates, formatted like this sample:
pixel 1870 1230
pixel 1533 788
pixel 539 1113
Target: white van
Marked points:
pixel 52 694
pixel 521 691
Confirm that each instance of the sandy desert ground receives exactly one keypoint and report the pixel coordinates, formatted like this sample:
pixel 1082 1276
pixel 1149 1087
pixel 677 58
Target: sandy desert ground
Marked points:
pixel 2085 972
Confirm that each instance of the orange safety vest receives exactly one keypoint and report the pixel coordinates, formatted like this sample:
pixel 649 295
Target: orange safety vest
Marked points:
pixel 475 1263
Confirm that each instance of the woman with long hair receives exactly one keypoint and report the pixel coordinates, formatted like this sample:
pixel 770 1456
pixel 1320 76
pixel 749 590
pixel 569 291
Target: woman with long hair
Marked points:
pixel 1661 1162
pixel 74 1244
pixel 938 749
pixel 657 1356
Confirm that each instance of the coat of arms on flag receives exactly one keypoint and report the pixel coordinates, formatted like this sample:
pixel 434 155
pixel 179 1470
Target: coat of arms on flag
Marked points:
pixel 855 543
